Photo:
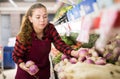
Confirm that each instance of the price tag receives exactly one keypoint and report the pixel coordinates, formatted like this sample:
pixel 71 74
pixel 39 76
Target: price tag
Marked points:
pixel 85 29
pixel 106 26
pixel 107 20
pixel 88 5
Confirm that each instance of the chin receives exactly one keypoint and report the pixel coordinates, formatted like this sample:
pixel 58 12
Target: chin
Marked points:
pixel 42 27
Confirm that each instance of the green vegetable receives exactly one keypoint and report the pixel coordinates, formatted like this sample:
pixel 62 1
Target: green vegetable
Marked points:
pixel 67 40
pixel 57 59
pixel 92 40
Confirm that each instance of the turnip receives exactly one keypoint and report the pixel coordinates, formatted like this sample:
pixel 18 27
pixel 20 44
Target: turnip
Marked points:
pixel 100 61
pixel 63 57
pixel 73 60
pixel 33 69
pixel 65 61
pixel 89 61
pixel 81 59
pixel 116 53
pixel 83 52
pixel 118 43
pixel 29 63
pixel 89 55
pixel 108 55
pixel 93 52
pixel 93 58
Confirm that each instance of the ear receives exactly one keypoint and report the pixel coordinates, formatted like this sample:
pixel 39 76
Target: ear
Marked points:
pixel 30 18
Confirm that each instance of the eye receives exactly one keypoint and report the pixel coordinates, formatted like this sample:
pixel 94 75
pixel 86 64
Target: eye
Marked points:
pixel 37 17
pixel 44 16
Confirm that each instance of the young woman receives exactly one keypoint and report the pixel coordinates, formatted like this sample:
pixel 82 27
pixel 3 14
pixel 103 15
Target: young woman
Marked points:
pixel 33 42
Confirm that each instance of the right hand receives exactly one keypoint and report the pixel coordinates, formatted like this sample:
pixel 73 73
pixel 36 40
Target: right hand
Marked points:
pixel 74 53
pixel 23 66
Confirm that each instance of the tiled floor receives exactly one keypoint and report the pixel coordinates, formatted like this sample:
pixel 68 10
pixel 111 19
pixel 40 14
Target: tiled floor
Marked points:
pixel 9 74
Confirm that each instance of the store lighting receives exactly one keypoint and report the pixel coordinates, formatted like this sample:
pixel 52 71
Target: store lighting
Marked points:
pixel 13 3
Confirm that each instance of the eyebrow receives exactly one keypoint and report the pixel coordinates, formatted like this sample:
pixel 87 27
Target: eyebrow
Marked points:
pixel 40 15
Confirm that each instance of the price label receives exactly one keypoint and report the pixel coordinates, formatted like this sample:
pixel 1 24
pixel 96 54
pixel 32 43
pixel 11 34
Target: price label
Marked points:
pixel 85 29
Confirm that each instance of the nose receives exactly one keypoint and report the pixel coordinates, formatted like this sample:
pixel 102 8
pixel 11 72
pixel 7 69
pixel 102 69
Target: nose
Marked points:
pixel 41 19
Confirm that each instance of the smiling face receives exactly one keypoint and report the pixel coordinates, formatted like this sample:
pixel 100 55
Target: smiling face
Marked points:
pixel 39 19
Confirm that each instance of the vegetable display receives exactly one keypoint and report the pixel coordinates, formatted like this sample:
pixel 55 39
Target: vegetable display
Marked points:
pixel 91 61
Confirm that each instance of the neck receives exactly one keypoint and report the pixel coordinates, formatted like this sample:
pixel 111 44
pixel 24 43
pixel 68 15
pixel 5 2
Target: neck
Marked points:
pixel 39 34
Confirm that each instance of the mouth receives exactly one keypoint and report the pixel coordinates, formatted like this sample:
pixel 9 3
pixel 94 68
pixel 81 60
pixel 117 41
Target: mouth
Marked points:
pixel 42 25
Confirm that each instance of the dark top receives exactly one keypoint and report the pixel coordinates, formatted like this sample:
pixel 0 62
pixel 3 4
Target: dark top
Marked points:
pixel 20 51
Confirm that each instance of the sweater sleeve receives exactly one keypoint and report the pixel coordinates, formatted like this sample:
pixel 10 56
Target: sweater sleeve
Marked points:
pixel 18 52
pixel 58 42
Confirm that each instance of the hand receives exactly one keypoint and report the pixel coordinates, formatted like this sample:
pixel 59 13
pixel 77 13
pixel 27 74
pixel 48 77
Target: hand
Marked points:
pixel 32 70
pixel 23 66
pixel 74 53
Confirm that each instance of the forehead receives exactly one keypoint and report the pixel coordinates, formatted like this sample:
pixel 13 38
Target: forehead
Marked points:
pixel 39 11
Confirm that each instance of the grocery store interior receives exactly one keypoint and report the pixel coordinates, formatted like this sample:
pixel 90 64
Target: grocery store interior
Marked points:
pixel 92 27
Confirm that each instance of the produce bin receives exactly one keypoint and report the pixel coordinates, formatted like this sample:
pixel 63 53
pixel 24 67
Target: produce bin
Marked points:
pixel 8 63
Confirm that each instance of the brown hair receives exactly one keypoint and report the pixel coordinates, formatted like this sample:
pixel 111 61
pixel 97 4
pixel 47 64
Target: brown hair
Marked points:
pixel 26 26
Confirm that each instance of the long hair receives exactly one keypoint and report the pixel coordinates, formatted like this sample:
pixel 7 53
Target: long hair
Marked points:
pixel 26 27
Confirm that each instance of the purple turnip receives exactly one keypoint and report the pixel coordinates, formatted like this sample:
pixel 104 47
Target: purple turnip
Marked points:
pixel 63 57
pixel 33 69
pixel 100 61
pixel 81 59
pixel 73 60
pixel 83 52
pixel 89 61
pixel 29 63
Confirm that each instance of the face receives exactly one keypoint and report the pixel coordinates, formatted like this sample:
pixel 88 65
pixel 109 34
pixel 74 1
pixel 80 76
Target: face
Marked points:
pixel 39 19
